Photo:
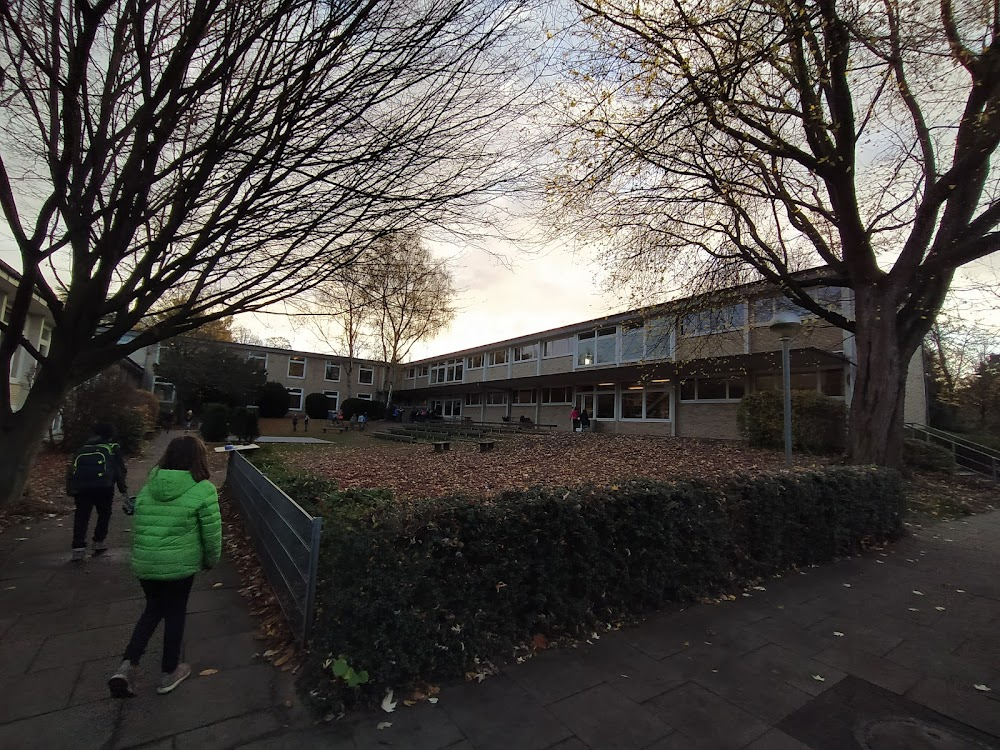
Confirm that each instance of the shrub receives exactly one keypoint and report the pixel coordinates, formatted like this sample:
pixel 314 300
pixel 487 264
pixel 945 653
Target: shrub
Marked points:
pixel 149 404
pixel 273 400
pixel 354 406
pixel 215 423
pixel 244 424
pixel 923 455
pixel 317 405
pixel 131 426
pixel 109 397
pixel 818 422
pixel 435 589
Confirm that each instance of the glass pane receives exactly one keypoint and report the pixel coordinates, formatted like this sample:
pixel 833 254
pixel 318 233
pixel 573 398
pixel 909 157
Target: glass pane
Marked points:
pixel 763 310
pixel 632 345
pixel 832 382
pixel 632 405
pixel 658 339
pixel 688 390
pixel 711 388
pixel 804 381
pixel 736 388
pixel 585 352
pixel 605 406
pixel 606 349
pixel 658 405
pixel 768 382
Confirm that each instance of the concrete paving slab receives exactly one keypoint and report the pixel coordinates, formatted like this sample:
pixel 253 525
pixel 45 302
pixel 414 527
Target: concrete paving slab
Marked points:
pixel 323 738
pixel 766 696
pixel 84 645
pixel 86 727
pixel 228 733
pixel 16 655
pixel 626 669
pixel 876 670
pixel 424 727
pixel 60 621
pixel 603 718
pixel 775 739
pixel 552 676
pixel 36 693
pixel 714 721
pixel 963 703
pixel 793 668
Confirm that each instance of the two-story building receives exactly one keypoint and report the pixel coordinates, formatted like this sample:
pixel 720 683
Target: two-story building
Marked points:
pixel 678 369
pixel 38 331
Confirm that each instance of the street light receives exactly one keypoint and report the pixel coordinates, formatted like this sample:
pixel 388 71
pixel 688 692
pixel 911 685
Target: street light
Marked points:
pixel 786 324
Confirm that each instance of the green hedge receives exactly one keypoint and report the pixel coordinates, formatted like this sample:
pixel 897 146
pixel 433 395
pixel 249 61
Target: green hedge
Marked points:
pixel 215 423
pixel 819 423
pixel 435 589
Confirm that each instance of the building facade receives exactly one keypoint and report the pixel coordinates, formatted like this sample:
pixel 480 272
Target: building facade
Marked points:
pixel 38 330
pixel 679 369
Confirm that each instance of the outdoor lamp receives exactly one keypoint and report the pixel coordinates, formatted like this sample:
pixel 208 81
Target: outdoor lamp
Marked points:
pixel 786 324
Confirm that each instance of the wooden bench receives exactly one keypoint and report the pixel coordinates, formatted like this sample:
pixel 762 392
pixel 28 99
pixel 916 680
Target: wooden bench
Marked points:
pixel 440 446
pixel 486 445
pixel 334 428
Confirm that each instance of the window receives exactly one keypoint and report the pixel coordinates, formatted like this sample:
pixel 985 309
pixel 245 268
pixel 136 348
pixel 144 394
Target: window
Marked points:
pixel 497 357
pixel 365 396
pixel 523 397
pixel 713 389
pixel 831 382
pixel 423 370
pixel 557 348
pixel 474 362
pixel 596 347
pixel 525 353
pixel 828 382
pixel 585 348
pixel 366 375
pixel 496 398
pixel 296 367
pixel 332 400
pixel 451 407
pixel 632 340
pixel 257 358
pixel 332 372
pixel 557 395
pixel 765 309
pixel 473 399
pixel 660 338
pixel 164 390
pixel 604 405
pixel 715 320
pixel 411 373
pixel 44 339
pixel 632 403
pixel 449 371
pixel 294 399
pixel 5 307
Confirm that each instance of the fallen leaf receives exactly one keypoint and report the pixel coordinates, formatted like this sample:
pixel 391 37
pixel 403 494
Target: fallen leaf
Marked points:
pixel 539 642
pixel 432 700
pixel 913 609
pixel 838 634
pixel 847 585
pixel 21 539
pixel 939 609
pixel 960 591
pixel 383 725
pixel 388 704
pixel 918 593
pixel 270 652
pixel 982 688
pixel 208 672
pixel 819 678
pixel 217 585
pixel 408 702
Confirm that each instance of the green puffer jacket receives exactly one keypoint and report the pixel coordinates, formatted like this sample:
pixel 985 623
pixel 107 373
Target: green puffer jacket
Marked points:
pixel 176 530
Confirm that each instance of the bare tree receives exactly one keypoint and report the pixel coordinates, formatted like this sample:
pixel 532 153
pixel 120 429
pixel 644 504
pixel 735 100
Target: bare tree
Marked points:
pixel 751 140
pixel 232 151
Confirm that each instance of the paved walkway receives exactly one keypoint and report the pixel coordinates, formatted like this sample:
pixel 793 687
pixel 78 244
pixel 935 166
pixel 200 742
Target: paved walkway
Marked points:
pixel 885 650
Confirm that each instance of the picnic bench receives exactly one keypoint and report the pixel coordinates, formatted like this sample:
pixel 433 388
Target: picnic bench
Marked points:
pixel 486 445
pixel 440 446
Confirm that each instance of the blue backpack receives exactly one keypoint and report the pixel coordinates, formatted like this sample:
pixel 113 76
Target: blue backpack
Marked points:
pixel 93 468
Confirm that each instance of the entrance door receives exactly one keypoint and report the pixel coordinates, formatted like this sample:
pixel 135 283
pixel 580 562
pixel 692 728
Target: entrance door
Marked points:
pixel 585 401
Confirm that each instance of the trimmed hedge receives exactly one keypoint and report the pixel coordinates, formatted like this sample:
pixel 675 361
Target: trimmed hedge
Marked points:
pixel 441 587
pixel 215 423
pixel 354 406
pixel 819 423
pixel 923 455
pixel 273 400
pixel 317 405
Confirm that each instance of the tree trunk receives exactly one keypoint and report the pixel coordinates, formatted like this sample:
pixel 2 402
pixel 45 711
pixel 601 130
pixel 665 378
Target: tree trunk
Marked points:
pixel 21 435
pixel 876 417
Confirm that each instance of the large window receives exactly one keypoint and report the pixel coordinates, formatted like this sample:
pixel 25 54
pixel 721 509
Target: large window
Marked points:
pixel 713 389
pixel 451 407
pixel 496 398
pixel 557 395
pixel 449 371
pixel 366 375
pixel 523 397
pixel 365 396
pixel 295 399
pixel 827 297
pixel 497 357
pixel 596 347
pixel 5 306
pixel 332 400
pixel 557 348
pixel 599 402
pixel 525 353
pixel 332 373
pixel 258 358
pixel 827 382
pixel 716 320
pixel 411 373
pixel 659 338
pixel 44 339
pixel 474 362
pixel 164 390
pixel 473 399
pixel 296 366
pixel 423 370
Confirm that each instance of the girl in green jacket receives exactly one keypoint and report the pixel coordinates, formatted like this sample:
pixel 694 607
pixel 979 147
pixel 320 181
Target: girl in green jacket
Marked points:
pixel 176 532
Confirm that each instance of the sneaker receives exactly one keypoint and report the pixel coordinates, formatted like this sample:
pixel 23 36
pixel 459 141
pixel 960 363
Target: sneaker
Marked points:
pixel 119 683
pixel 79 553
pixel 172 679
pixel 100 548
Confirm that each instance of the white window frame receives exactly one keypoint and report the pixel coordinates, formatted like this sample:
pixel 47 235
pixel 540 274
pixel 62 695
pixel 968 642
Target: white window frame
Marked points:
pixel 326 371
pixel 525 353
pixel 493 359
pixel 470 361
pixel 371 371
pixel 335 395
pixel 411 373
pixel 364 396
pixel 705 325
pixel 251 357
pixel 162 382
pixel 515 396
pixel 646 391
pixel 5 307
pixel 567 393
pixel 448 371
pixel 473 399
pixel 729 399
pixel 774 305
pixel 547 347
pixel 496 398
pixel 44 338
pixel 296 359
pixel 292 394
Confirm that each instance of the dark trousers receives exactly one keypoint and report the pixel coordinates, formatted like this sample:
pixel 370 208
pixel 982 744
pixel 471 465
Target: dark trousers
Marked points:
pixel 167 601
pixel 103 501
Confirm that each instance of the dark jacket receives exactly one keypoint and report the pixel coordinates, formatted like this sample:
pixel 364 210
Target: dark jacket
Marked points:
pixel 116 467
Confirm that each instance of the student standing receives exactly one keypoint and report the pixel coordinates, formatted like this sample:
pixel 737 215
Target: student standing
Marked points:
pixel 574 417
pixel 97 468
pixel 177 531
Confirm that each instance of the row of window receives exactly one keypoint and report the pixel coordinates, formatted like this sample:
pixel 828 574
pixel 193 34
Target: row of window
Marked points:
pixel 296 400
pixel 297 368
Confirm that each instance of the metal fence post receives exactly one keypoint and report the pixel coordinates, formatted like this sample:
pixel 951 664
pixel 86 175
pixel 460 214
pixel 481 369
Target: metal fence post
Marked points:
pixel 310 605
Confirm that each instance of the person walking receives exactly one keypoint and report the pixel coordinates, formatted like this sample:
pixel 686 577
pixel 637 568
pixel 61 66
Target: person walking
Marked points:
pixel 584 421
pixel 177 532
pixel 305 422
pixel 574 417
pixel 97 468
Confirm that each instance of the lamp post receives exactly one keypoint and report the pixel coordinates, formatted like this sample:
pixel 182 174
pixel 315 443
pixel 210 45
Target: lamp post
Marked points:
pixel 786 324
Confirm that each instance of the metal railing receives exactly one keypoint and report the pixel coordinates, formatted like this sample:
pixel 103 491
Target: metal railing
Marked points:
pixel 286 538
pixel 968 455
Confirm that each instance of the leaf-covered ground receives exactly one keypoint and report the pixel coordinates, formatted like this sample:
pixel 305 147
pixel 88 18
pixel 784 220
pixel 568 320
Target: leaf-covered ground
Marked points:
pixel 414 470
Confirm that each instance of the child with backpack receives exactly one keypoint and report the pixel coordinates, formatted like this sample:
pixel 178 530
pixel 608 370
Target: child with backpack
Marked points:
pixel 176 532
pixel 97 468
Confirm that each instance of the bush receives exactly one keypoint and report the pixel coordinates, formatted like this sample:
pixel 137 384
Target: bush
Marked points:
pixel 273 400
pixel 354 406
pixel 112 398
pixel 317 405
pixel 819 422
pixel 131 426
pixel 244 424
pixel 435 589
pixel 215 423
pixel 149 405
pixel 923 455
